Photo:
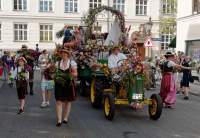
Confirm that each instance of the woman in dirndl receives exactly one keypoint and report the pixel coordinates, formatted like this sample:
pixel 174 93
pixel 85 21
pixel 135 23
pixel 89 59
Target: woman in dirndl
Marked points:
pixel 168 83
pixel 65 91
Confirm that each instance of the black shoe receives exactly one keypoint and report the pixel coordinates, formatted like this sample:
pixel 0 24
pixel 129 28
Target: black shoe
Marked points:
pixel 178 92
pixel 58 124
pixel 31 93
pixel 20 111
pixel 186 98
pixel 65 122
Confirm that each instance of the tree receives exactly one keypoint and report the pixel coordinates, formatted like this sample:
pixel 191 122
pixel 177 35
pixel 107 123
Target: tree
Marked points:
pixel 168 20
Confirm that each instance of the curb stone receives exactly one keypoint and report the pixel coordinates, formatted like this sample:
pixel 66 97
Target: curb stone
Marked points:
pixel 195 94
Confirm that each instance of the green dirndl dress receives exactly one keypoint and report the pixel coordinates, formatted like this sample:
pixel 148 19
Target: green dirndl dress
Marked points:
pixel 65 89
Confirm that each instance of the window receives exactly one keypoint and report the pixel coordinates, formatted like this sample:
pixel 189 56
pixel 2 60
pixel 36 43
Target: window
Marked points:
pixel 141 7
pixel 166 38
pixel 0 31
pixel 20 32
pixel 168 7
pixel 46 32
pixel 71 5
pixel 196 6
pixel 119 5
pixel 94 3
pixel 46 5
pixel 20 5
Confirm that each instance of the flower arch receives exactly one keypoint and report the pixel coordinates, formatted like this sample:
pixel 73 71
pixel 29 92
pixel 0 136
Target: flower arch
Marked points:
pixel 91 18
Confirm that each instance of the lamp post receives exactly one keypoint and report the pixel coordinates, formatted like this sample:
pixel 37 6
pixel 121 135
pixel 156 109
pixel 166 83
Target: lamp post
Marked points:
pixel 148 27
pixel 83 32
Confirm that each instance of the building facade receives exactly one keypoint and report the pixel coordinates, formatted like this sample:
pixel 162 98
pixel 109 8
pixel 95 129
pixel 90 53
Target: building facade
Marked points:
pixel 34 22
pixel 188 25
pixel 167 23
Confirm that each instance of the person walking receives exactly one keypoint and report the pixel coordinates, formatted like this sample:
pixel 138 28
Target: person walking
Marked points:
pixel 5 65
pixel 186 78
pixel 179 75
pixel 25 52
pixel 47 83
pixel 65 91
pixel 21 75
pixel 168 83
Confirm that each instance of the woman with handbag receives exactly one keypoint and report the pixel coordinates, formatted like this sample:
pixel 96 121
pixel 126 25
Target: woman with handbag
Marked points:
pixel 65 91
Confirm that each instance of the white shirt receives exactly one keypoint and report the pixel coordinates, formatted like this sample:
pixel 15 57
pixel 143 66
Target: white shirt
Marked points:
pixel 18 70
pixel 63 67
pixel 43 59
pixel 114 59
pixel 171 64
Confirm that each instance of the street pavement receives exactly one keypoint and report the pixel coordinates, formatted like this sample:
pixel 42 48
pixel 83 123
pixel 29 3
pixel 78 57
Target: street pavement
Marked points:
pixel 86 122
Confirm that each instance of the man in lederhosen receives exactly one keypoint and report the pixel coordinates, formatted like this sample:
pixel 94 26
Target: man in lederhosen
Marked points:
pixel 25 52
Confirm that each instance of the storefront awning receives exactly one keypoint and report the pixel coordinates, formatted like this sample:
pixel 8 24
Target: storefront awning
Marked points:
pixel 194 32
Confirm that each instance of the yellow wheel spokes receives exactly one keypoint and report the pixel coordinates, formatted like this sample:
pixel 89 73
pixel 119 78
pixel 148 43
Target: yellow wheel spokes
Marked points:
pixel 92 93
pixel 153 107
pixel 107 106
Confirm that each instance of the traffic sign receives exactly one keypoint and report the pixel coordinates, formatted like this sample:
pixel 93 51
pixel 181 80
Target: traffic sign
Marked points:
pixel 156 39
pixel 148 42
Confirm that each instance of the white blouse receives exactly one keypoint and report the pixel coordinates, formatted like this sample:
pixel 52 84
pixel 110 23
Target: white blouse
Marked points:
pixel 114 59
pixel 17 70
pixel 65 67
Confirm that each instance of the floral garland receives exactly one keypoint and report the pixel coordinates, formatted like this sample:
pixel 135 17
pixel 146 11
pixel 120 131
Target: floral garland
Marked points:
pixel 91 17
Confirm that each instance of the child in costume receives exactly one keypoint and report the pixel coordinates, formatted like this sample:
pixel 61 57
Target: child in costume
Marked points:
pixel 21 76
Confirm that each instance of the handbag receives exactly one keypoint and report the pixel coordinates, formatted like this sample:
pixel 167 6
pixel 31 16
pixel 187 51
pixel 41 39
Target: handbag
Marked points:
pixel 72 85
pixel 191 80
pixel 73 90
pixel 1 71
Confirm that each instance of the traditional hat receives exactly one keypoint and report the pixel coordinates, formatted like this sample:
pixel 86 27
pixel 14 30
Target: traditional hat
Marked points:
pixel 24 47
pixel 44 51
pixel 169 54
pixel 21 58
pixel 115 47
pixel 65 50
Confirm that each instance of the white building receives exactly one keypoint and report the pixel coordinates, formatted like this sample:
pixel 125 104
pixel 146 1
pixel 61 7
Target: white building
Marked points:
pixel 34 22
pixel 188 27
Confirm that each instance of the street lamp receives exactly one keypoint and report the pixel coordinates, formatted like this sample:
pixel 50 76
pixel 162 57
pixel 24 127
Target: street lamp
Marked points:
pixel 83 29
pixel 148 27
pixel 83 26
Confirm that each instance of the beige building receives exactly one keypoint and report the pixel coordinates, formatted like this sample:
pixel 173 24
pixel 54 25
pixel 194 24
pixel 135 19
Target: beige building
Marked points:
pixel 188 27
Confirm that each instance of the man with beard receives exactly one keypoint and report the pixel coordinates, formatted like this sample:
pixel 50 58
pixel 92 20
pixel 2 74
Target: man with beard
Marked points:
pixel 26 53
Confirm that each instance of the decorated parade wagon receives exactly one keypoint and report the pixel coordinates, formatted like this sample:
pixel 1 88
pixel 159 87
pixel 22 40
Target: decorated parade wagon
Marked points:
pixel 126 87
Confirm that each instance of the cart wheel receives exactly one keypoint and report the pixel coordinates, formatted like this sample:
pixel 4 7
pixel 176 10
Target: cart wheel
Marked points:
pixel 109 106
pixel 155 109
pixel 95 96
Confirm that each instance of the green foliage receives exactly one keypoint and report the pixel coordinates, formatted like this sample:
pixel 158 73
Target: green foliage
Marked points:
pixel 168 23
pixel 173 43
pixel 60 33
